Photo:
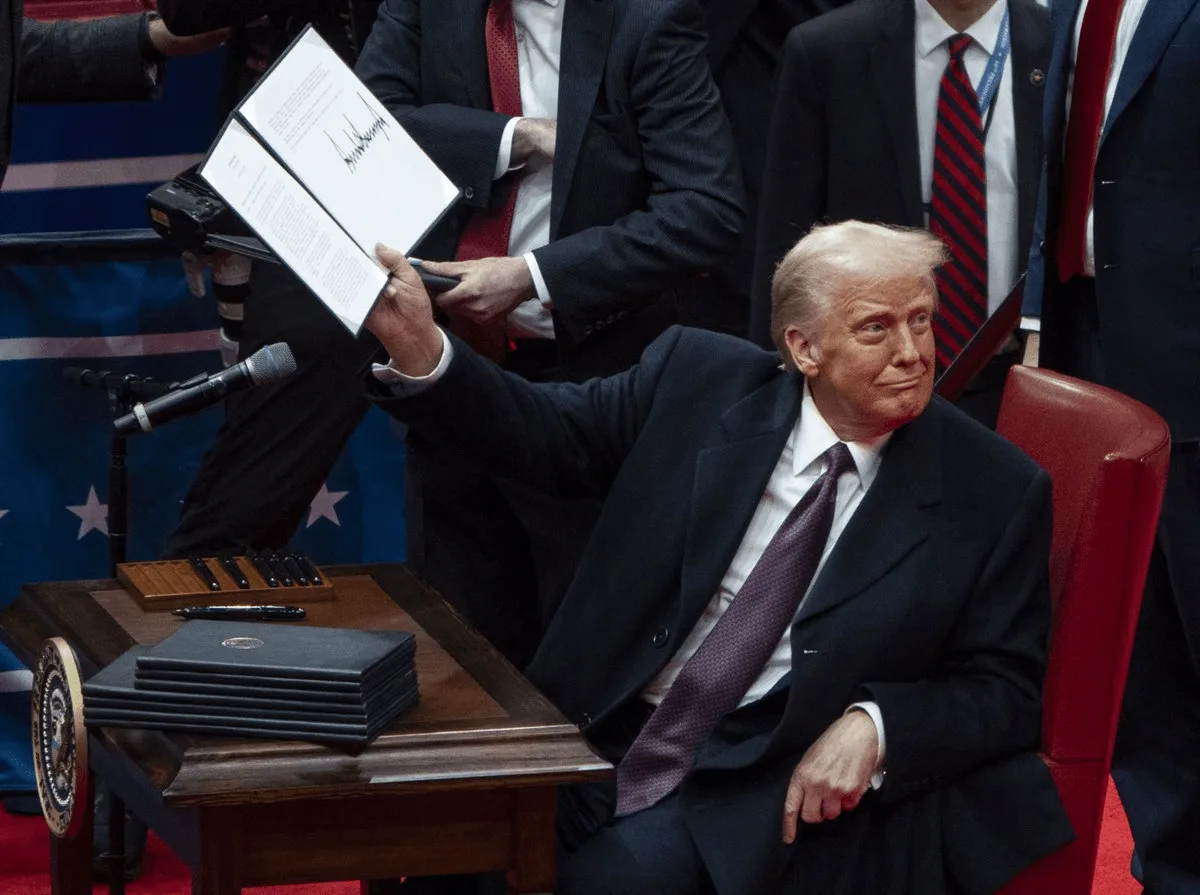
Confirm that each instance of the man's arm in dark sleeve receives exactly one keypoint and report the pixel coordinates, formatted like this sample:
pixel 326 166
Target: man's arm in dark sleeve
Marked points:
pixel 464 141
pixel 692 220
pixel 794 181
pixel 89 61
pixel 567 439
pixel 187 17
pixel 986 700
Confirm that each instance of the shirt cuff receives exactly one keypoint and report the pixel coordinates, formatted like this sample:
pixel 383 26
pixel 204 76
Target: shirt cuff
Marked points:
pixel 872 711
pixel 405 386
pixel 504 158
pixel 539 282
pixel 1031 324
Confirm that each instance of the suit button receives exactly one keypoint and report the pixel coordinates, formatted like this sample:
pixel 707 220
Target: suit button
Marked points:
pixel 585 720
pixel 660 637
pixel 469 193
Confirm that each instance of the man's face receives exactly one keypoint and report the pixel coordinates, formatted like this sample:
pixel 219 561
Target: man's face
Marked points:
pixel 871 368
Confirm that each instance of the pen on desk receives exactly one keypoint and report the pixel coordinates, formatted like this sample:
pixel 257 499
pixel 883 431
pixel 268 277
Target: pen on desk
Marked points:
pixel 204 573
pixel 243 613
pixel 314 577
pixel 267 573
pixel 231 566
pixel 293 567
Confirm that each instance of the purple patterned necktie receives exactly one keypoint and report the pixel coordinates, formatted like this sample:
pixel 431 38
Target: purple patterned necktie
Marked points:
pixel 714 680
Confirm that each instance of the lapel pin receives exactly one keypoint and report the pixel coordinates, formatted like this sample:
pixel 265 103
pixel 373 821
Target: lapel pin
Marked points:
pixel 1037 77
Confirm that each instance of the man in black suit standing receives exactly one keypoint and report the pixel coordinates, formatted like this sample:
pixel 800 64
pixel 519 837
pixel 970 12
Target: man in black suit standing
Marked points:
pixel 745 41
pixel 868 125
pixel 1122 308
pixel 598 182
pixel 811 624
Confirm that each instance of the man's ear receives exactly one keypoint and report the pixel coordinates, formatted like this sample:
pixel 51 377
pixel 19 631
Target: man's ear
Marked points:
pixel 806 354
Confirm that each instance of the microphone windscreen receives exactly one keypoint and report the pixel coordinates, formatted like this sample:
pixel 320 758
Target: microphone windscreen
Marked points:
pixel 271 363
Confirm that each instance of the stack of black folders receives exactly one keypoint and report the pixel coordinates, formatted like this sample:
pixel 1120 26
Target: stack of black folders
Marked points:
pixel 328 685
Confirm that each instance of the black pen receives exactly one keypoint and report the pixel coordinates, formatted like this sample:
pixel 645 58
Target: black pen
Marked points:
pixel 261 566
pixel 293 567
pixel 243 613
pixel 231 566
pixel 204 573
pixel 314 577
pixel 278 568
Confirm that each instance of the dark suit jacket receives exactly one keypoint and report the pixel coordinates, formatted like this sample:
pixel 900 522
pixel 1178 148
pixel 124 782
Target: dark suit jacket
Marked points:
pixel 843 141
pixel 1147 229
pixel 65 62
pixel 934 603
pixel 646 193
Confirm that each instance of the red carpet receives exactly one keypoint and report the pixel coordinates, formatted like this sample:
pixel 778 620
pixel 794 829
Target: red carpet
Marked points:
pixel 24 857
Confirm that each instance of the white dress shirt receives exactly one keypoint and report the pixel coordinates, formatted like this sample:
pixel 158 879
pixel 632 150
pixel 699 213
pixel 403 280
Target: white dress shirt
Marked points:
pixel 1131 14
pixel 1000 148
pixel 539 44
pixel 799 466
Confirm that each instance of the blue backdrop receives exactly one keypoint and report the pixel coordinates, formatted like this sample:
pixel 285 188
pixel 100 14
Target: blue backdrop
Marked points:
pixel 118 301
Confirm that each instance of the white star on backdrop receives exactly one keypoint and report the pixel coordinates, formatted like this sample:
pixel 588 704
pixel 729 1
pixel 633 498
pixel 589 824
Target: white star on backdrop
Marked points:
pixel 3 513
pixel 92 515
pixel 322 506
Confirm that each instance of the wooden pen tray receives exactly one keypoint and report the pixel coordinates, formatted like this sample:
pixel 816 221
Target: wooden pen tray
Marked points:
pixel 174 584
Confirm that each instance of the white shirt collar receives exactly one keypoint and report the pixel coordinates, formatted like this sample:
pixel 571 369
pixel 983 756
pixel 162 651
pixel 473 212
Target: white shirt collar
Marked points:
pixel 813 437
pixel 933 32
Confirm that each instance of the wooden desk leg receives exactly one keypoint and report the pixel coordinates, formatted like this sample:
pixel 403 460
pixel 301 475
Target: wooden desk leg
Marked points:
pixel 219 870
pixel 71 859
pixel 535 841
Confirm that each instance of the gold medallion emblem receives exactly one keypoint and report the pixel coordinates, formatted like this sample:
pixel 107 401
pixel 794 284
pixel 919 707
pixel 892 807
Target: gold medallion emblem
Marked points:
pixel 59 739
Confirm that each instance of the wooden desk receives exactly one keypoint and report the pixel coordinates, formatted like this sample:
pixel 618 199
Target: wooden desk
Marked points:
pixel 463 783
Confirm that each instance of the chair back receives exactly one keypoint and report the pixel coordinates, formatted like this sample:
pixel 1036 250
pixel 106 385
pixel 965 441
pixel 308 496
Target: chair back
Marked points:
pixel 1107 456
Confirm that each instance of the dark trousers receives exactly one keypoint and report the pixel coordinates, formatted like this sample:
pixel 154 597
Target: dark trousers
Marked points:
pixel 501 552
pixel 278 442
pixel 1156 763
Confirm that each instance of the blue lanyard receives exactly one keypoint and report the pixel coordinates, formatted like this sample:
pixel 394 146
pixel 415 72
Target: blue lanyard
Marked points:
pixel 995 68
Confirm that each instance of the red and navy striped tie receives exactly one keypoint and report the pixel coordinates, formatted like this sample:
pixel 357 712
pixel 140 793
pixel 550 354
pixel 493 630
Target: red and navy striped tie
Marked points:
pixel 958 211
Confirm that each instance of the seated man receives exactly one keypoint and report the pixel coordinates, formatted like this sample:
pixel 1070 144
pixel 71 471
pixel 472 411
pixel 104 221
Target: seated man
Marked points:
pixel 811 625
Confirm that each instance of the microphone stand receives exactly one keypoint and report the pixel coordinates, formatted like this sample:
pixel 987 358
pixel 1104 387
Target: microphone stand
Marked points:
pixel 123 392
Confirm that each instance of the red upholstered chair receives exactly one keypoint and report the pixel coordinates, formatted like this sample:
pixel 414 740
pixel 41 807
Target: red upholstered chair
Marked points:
pixel 1107 457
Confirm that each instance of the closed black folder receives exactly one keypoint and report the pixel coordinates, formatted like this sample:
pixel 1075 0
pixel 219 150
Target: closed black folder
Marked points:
pixel 260 648
pixel 115 688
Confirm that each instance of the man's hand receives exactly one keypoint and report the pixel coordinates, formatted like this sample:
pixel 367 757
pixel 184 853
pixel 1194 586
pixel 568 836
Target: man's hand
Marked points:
pixel 488 289
pixel 170 45
pixel 834 773
pixel 402 319
pixel 533 142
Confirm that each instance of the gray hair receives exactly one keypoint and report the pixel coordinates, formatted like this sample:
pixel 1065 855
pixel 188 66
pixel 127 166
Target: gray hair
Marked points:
pixel 829 256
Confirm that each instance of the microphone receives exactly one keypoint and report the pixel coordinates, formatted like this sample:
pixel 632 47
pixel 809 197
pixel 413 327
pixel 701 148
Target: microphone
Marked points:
pixel 269 364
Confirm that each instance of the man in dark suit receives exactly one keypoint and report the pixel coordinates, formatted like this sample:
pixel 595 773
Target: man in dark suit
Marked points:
pixel 1120 307
pixel 855 135
pixel 811 623
pixel 598 182
pixel 745 41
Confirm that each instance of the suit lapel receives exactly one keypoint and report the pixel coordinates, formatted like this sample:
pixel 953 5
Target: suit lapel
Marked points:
pixel 894 75
pixel 1029 57
pixel 471 54
pixel 889 522
pixel 1158 25
pixel 585 38
pixel 731 475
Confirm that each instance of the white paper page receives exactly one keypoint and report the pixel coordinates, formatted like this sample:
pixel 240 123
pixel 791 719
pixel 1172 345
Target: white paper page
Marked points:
pixel 342 144
pixel 300 233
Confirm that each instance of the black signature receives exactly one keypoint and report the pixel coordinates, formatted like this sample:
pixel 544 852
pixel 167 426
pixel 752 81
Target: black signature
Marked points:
pixel 359 139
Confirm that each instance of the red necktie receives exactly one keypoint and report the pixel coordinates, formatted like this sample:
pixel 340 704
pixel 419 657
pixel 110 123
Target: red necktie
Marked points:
pixel 487 231
pixel 1093 61
pixel 731 658
pixel 958 211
